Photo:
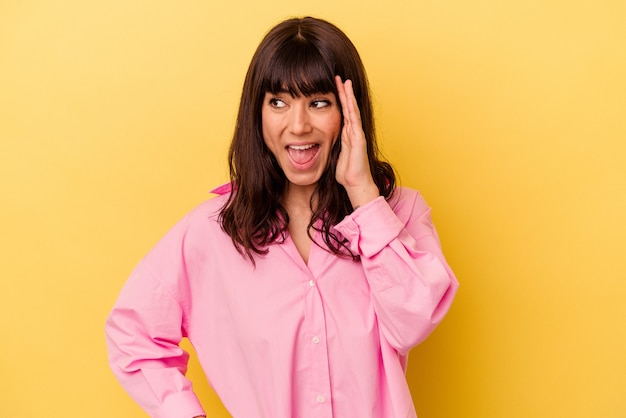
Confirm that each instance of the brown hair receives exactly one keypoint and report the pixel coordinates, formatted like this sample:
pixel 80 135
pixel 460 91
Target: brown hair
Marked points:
pixel 302 56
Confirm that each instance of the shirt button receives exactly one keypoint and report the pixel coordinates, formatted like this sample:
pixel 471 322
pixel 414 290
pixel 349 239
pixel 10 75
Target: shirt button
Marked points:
pixel 315 340
pixel 311 282
pixel 319 399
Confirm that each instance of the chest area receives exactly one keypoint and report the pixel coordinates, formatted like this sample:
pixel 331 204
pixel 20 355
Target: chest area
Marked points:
pixel 282 298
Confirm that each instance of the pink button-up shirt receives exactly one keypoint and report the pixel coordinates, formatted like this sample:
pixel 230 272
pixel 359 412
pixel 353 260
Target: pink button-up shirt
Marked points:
pixel 284 339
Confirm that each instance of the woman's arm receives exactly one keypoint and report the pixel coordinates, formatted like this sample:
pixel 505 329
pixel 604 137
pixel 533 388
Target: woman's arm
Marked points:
pixel 143 333
pixel 412 285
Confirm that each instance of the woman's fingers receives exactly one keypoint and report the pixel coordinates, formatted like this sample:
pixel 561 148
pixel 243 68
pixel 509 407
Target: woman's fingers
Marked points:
pixel 341 91
pixel 349 106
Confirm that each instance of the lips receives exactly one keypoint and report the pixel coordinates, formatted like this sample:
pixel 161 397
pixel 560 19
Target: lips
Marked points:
pixel 303 155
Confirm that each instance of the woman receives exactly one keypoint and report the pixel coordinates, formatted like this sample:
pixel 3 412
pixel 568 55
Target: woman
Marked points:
pixel 304 287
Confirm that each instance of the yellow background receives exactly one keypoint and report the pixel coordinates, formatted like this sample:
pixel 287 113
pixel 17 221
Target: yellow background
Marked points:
pixel 509 116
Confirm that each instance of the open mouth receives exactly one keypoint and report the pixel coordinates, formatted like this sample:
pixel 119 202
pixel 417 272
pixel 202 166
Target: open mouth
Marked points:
pixel 302 154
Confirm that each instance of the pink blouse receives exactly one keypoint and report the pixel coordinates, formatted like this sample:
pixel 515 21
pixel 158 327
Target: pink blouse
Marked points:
pixel 283 339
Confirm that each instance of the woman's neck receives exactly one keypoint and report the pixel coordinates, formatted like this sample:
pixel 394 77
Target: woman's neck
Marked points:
pixel 297 202
pixel 297 199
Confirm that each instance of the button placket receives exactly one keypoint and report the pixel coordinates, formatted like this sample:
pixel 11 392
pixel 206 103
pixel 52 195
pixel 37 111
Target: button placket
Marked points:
pixel 319 383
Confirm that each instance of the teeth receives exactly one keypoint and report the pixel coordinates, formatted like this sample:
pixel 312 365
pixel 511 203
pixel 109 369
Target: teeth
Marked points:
pixel 301 147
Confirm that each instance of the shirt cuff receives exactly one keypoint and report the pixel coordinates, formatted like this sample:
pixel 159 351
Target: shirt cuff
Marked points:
pixel 181 404
pixel 370 228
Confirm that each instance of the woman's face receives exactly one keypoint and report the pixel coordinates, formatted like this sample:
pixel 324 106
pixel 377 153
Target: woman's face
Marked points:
pixel 300 132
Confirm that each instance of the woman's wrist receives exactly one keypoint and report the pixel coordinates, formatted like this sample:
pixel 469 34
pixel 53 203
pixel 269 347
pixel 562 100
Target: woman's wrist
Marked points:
pixel 362 195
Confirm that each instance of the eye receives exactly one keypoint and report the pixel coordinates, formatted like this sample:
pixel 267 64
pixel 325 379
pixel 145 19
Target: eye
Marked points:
pixel 277 103
pixel 320 104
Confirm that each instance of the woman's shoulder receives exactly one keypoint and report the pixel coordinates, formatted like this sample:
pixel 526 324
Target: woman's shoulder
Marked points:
pixel 207 212
pixel 211 207
pixel 200 225
pixel 407 202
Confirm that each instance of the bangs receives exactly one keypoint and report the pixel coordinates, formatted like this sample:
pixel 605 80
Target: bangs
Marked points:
pixel 298 68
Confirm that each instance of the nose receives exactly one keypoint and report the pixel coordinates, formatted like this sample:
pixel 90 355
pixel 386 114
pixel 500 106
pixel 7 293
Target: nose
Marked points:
pixel 299 119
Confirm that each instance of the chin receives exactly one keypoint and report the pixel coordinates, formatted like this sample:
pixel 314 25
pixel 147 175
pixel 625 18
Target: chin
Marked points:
pixel 303 181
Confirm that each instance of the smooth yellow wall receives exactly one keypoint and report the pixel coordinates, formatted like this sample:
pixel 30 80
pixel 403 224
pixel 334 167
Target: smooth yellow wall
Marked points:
pixel 510 116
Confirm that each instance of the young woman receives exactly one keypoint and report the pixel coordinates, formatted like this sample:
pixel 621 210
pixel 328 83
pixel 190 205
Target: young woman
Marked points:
pixel 306 282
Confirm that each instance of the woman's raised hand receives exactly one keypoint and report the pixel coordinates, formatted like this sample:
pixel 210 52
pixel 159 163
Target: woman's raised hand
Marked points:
pixel 353 169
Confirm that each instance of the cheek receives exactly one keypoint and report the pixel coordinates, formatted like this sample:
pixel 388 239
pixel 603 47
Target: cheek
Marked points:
pixel 336 126
pixel 266 131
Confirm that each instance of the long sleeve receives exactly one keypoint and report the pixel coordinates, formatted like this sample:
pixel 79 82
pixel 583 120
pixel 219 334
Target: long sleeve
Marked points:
pixel 143 333
pixel 412 285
